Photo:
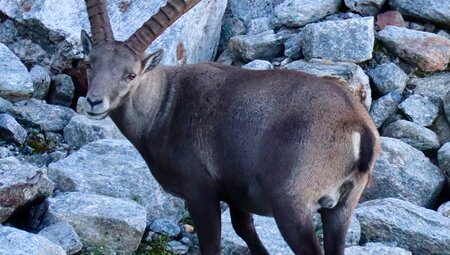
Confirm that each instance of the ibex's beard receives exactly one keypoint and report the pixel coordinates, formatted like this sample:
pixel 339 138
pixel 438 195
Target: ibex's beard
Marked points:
pixel 97 116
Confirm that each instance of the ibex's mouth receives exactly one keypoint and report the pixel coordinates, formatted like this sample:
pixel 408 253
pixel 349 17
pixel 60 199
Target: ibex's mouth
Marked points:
pixel 97 116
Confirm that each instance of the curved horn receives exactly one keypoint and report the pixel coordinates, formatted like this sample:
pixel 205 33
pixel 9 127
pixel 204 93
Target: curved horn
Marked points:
pixel 98 18
pixel 153 27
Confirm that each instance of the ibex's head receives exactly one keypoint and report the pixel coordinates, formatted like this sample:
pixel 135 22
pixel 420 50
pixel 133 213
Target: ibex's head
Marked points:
pixel 115 67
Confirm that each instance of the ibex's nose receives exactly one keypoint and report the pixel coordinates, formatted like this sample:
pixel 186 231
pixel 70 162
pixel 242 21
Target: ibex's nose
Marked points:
pixel 94 103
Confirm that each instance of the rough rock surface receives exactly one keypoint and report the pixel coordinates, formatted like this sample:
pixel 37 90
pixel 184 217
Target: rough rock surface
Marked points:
pixel 444 209
pixel 419 230
pixel 114 168
pixel 20 184
pixel 41 82
pixel 259 25
pixel 64 235
pixel 262 46
pixel 116 225
pixel 388 78
pixel 384 107
pixel 259 65
pixel 297 13
pixel 10 130
pixel 165 227
pixel 365 7
pixel 247 10
pixel 375 249
pixel 61 90
pixel 293 47
pixel 5 106
pixel 404 172
pixel 15 81
pixel 430 52
pixel 18 242
pixel 350 40
pixel 434 87
pixel 348 74
pixel 390 18
pixel 441 127
pixel 444 160
pixel 413 134
pixel 435 11
pixel 419 109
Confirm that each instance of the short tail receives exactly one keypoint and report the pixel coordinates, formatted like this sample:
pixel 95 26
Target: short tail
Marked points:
pixel 367 149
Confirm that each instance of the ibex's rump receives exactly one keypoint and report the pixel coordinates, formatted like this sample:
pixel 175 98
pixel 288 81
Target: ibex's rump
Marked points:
pixel 278 143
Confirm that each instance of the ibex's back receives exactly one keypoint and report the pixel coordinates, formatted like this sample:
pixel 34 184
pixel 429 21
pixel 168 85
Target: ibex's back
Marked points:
pixel 280 143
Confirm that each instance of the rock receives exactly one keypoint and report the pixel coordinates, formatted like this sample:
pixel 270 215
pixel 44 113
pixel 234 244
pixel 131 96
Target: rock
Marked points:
pixel 259 25
pixel 430 52
pixel 262 46
pixel 247 10
pixel 231 26
pixel 20 184
pixel 10 130
pixel 41 82
pixel 413 134
pixel 178 248
pixel 81 130
pixel 4 152
pixel 436 11
pixel 297 13
pixel 390 18
pixel 444 209
pixel 15 81
pixel 444 160
pixel 18 242
pixel 116 225
pixel 165 227
pixel 61 90
pixel 443 34
pixel 446 102
pixel 419 109
pixel 365 7
pixel 293 47
pixel 114 168
pixel 442 128
pixel 258 65
pixel 434 87
pixel 64 235
pixel 375 249
pixel 350 40
pixel 5 106
pixel 8 32
pixel 30 53
pixel 422 231
pixel 384 107
pixel 348 74
pixel 44 159
pixel 44 116
pixel 388 78
pixel 404 172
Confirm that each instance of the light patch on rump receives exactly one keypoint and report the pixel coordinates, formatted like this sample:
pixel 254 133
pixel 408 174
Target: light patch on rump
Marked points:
pixel 356 140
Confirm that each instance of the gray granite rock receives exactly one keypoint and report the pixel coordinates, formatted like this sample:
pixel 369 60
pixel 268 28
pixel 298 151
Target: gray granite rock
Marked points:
pixel 116 225
pixel 30 53
pixel 177 247
pixel 446 102
pixel 259 25
pixel 413 134
pixel 443 33
pixel 231 26
pixel 21 183
pixel 384 107
pixel 434 87
pixel 404 172
pixel 114 168
pixel 10 130
pixel 19 242
pixel 435 11
pixel 258 65
pixel 8 32
pixel 350 40
pixel 15 81
pixel 165 227
pixel 444 209
pixel 419 109
pixel 365 7
pixel 348 74
pixel 430 52
pixel 41 81
pixel 419 230
pixel 388 78
pixel 441 127
pixel 5 106
pixel 293 47
pixel 262 46
pixel 61 90
pixel 297 13
pixel 375 249
pixel 64 235
pixel 444 160
pixel 247 10
pixel 38 114
pixel 82 130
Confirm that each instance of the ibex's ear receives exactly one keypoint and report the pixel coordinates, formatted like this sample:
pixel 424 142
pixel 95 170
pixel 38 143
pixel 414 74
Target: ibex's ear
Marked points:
pixel 86 42
pixel 152 60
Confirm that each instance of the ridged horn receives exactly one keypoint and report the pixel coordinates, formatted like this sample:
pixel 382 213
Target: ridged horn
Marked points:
pixel 98 18
pixel 153 27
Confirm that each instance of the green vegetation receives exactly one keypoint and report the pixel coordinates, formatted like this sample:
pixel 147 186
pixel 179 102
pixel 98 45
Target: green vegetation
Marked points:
pixel 155 247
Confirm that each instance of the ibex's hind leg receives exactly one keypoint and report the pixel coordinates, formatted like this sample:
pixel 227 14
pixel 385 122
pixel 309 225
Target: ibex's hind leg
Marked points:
pixel 243 225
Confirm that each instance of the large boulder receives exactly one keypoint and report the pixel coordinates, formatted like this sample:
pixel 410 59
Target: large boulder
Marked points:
pixel 413 134
pixel 297 13
pixel 261 46
pixel 114 168
pixel 419 230
pixel 435 11
pixel 375 249
pixel 63 234
pixel 419 109
pixel 388 78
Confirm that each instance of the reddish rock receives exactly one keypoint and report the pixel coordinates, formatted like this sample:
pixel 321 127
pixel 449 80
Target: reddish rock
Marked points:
pixel 390 18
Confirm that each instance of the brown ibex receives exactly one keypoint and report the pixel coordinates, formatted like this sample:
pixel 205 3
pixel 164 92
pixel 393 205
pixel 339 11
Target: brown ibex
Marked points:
pixel 277 143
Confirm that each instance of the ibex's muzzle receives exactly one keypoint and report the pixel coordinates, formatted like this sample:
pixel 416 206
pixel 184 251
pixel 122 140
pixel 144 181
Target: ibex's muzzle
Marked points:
pixel 96 108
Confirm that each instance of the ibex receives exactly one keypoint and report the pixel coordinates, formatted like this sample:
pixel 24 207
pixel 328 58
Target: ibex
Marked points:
pixel 278 143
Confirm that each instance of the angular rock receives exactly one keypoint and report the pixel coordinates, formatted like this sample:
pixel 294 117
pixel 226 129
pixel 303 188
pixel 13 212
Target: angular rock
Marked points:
pixel 365 7
pixel 10 130
pixel 8 32
pixel 444 209
pixel 114 168
pixel 419 109
pixel 390 18
pixel 64 235
pixel 262 46
pixel 404 172
pixel 259 25
pixel 247 10
pixel 61 90
pixel 5 106
pixel 46 117
pixel 442 128
pixel 413 134
pixel 30 53
pixel 434 11
pixel 375 249
pixel 19 242
pixel 348 74
pixel 81 130
pixel 384 107
pixel 430 52
pixel 350 40
pixel 231 26
pixel 15 81
pixel 293 47
pixel 116 225
pixel 165 227
pixel 258 65
pixel 446 102
pixel 177 247
pixel 433 87
pixel 422 231
pixel 388 78
pixel 21 183
pixel 297 13
pixel 444 160
pixel 443 34
pixel 41 82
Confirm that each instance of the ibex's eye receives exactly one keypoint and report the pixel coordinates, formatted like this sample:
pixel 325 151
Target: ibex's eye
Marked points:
pixel 131 76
